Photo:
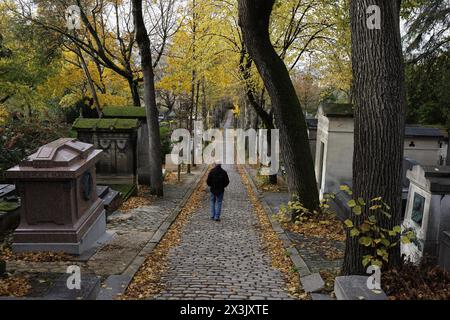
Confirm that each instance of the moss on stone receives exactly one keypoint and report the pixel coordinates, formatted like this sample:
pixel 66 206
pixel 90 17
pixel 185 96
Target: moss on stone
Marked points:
pixel 82 123
pixel 6 206
pixel 105 124
pixel 127 123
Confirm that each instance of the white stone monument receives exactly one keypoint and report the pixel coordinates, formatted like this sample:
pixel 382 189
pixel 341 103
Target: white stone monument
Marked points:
pixel 427 210
pixel 334 149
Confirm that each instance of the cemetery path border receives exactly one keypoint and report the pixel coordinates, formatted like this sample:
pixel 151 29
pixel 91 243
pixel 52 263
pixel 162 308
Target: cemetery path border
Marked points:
pixel 307 278
pixel 126 277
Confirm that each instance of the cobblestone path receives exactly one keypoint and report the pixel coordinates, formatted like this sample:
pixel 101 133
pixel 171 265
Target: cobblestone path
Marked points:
pixel 222 260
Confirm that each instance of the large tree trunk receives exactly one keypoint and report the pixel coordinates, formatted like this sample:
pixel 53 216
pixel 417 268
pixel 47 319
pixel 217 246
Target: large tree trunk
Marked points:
pixel 379 120
pixel 156 178
pixel 134 89
pixel 254 16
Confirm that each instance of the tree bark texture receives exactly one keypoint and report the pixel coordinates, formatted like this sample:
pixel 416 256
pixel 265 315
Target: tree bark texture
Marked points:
pixel 156 177
pixel 379 95
pixel 254 17
pixel 134 89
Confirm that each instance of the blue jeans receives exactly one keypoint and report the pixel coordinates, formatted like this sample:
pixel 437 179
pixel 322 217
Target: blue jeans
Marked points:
pixel 216 210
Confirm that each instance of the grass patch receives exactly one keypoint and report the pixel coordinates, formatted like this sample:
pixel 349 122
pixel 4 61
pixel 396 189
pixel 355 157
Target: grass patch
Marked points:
pixel 8 206
pixel 127 190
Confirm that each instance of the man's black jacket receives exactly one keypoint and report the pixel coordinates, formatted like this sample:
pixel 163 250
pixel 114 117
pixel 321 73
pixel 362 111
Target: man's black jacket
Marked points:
pixel 218 180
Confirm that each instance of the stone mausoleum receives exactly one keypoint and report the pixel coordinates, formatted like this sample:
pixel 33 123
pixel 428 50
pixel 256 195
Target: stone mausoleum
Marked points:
pixel 135 113
pixel 118 140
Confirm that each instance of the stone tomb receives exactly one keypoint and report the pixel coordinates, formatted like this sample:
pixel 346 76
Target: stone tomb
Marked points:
pixel 427 210
pixel 60 210
pixel 137 113
pixel 117 139
pixel 334 150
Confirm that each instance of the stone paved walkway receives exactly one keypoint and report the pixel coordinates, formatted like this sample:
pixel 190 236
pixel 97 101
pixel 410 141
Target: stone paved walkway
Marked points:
pixel 222 260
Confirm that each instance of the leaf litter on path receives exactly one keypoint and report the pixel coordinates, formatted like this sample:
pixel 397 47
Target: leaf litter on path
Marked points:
pixel 147 281
pixel 273 245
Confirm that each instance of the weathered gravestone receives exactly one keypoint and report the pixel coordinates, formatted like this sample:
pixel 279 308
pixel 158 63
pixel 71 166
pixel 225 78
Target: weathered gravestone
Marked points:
pixel 118 140
pixel 427 210
pixel 137 113
pixel 60 209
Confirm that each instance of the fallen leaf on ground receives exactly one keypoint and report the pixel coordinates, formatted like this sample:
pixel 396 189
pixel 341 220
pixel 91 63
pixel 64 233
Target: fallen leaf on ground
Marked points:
pixel 14 286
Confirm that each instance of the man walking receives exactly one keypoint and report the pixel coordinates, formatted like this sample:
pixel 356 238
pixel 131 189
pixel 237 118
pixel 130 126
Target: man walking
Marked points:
pixel 217 181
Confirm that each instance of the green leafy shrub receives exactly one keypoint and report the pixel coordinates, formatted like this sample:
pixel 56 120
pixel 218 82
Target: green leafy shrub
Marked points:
pixel 295 211
pixel 322 223
pixel 377 240
pixel 21 137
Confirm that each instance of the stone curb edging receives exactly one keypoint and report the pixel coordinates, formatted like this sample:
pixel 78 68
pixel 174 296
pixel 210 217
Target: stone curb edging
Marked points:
pixel 308 279
pixel 134 266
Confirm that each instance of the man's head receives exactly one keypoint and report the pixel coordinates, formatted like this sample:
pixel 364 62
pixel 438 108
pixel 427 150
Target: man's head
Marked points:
pixel 218 163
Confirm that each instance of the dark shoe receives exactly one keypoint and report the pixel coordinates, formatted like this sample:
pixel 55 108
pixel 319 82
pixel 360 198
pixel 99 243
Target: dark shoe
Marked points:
pixel 217 220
